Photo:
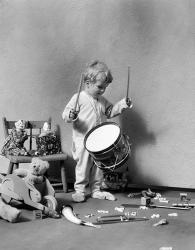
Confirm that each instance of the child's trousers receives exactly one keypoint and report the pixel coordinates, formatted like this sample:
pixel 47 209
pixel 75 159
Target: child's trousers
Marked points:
pixel 86 172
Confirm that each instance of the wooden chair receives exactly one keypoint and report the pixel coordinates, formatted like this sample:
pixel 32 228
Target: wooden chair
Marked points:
pixel 33 129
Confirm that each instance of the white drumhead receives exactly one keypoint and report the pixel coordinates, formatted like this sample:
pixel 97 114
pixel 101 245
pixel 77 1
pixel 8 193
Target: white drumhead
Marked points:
pixel 102 137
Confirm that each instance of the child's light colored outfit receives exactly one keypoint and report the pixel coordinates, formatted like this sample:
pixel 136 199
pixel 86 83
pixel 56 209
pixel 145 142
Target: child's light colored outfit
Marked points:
pixel 92 112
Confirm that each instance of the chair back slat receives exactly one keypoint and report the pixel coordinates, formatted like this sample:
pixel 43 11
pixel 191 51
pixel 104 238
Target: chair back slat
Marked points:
pixel 36 124
pixel 30 139
pixel 10 124
pixel 7 125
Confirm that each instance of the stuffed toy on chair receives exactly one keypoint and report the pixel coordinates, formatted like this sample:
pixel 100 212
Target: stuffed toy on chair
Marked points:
pixel 34 175
pixel 48 142
pixel 14 143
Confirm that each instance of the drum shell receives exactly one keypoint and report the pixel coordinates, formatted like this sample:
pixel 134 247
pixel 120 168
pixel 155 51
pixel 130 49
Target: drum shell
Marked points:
pixel 107 153
pixel 113 156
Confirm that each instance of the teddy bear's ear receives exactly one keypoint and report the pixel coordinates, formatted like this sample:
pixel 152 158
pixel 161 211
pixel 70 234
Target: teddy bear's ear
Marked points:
pixel 34 160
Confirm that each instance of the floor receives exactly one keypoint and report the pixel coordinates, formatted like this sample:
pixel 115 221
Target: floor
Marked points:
pixel 59 234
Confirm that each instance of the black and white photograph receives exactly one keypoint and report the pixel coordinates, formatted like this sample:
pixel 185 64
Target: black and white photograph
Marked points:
pixel 97 124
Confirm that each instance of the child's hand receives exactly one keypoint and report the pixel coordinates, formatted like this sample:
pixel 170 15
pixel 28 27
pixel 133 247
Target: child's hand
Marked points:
pixel 129 103
pixel 73 114
pixel 126 103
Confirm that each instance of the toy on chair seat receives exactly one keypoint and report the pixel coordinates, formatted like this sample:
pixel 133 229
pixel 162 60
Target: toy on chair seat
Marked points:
pixel 48 142
pixel 14 143
pixel 31 187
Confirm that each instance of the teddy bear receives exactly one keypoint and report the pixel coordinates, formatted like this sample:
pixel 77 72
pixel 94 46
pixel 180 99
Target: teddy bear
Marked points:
pixel 34 175
pixel 14 143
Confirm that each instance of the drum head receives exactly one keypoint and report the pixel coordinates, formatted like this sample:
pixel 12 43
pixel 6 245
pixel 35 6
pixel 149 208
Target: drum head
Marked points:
pixel 102 137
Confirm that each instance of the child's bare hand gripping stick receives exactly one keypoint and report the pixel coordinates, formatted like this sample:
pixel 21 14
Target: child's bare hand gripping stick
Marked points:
pixel 73 114
pixel 129 102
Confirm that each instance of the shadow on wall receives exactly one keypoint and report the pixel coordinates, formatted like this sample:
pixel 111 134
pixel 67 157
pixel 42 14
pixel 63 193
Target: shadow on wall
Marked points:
pixel 134 126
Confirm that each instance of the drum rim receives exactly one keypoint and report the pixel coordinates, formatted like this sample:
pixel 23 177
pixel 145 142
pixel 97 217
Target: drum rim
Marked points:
pixel 117 165
pixel 106 149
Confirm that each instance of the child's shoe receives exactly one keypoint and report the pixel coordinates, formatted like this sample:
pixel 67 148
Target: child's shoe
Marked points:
pixel 103 196
pixel 78 197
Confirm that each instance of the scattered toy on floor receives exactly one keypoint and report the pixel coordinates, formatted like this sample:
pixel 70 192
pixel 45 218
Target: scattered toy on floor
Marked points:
pixel 192 205
pixel 165 248
pixel 134 195
pixel 173 214
pixel 37 214
pixel 169 207
pixel 69 214
pixel 163 200
pixel 107 219
pixel 161 222
pixel 183 196
pixel 103 211
pixel 143 207
pixel 89 215
pixel 144 193
pixel 155 216
pixel 145 201
pixel 148 193
pixel 158 195
pixel 119 209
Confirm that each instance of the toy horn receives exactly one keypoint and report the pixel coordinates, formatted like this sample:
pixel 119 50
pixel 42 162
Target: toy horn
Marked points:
pixel 68 213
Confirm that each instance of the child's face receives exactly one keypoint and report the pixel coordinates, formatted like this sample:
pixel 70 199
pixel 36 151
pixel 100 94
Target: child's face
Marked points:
pixel 98 88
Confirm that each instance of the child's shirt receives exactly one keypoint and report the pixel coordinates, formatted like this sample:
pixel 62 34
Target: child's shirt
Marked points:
pixel 92 112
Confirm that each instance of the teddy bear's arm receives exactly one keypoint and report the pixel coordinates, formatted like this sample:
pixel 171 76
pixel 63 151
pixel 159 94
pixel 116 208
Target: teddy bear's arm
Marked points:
pixel 21 172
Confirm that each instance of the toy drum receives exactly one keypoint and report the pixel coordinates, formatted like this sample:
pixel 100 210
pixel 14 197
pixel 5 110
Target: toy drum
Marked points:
pixel 107 146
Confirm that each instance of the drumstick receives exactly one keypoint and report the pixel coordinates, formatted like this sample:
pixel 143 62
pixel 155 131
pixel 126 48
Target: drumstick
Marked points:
pixel 79 91
pixel 128 79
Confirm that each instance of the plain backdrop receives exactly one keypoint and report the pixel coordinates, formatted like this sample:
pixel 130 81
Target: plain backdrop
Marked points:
pixel 45 45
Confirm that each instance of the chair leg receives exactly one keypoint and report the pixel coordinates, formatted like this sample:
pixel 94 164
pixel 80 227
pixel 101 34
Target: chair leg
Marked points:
pixel 63 176
pixel 10 168
pixel 16 165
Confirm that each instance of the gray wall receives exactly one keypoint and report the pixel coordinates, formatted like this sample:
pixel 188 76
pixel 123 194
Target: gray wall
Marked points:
pixel 45 45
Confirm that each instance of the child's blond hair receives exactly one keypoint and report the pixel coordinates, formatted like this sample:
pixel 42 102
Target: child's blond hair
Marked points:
pixel 94 69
